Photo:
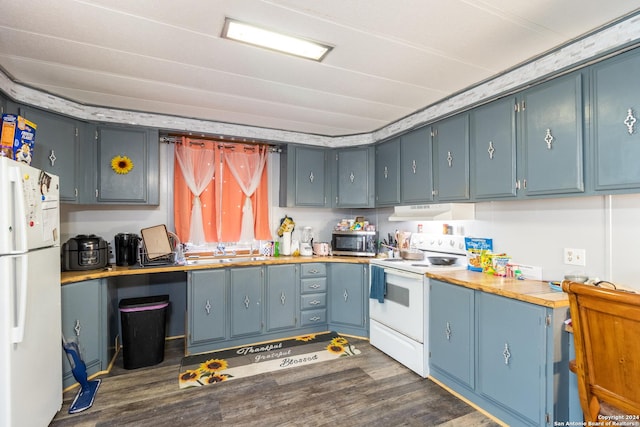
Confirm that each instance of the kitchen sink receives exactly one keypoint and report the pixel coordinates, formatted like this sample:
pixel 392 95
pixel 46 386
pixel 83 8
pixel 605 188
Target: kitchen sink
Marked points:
pixel 229 260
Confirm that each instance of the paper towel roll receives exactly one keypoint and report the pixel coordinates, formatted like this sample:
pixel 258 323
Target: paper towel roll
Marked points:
pixel 285 247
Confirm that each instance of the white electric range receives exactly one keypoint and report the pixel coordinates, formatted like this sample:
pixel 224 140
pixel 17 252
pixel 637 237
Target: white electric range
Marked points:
pixel 399 319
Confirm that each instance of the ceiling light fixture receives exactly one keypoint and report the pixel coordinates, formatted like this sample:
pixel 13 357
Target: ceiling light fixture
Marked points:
pixel 247 33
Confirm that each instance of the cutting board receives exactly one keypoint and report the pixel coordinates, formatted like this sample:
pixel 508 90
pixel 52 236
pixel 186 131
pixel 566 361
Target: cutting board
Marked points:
pixel 156 241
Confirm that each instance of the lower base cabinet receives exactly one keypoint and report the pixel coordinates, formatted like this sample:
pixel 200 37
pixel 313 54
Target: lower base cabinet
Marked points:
pixel 281 286
pixel 247 288
pixel 348 298
pixel 230 307
pixel 84 321
pixel 451 331
pixel 509 357
pixel 206 308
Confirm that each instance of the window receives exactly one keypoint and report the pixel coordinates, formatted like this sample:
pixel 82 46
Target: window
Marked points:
pixel 217 185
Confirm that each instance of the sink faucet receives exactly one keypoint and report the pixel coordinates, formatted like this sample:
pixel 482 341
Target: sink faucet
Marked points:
pixel 220 249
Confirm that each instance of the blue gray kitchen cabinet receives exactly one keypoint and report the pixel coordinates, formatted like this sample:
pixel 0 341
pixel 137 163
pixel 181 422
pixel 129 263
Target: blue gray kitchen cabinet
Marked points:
pixel 552 137
pixel 353 177
pixel 416 166
pixel 387 173
pixel 84 320
pixel 493 149
pixel 520 357
pixel 451 158
pixel 348 298
pixel 616 120
pixel 140 185
pixel 303 176
pixel 207 316
pixel 282 294
pixel 8 106
pixel 57 149
pixel 247 288
pixel 512 354
pixel 313 295
pixel 452 332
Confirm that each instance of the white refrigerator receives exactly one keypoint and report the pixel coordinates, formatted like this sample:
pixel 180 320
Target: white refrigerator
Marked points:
pixel 30 312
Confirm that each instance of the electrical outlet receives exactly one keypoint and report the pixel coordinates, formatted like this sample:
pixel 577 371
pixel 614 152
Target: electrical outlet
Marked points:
pixel 575 256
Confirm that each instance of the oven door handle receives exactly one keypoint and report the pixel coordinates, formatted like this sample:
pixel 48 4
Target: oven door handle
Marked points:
pixel 414 276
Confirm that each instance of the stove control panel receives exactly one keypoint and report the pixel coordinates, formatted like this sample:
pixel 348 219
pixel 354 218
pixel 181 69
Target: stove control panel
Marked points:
pixel 438 243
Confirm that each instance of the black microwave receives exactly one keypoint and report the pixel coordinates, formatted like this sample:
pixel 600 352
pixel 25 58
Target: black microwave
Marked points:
pixel 354 243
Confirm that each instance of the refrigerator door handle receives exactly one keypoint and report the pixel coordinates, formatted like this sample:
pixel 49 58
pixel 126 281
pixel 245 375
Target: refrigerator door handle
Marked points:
pixel 17 332
pixel 21 214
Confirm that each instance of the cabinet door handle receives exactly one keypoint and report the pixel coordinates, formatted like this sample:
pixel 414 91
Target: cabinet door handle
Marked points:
pixel 314 271
pixel 77 327
pixel 315 302
pixel 352 177
pixel 386 172
pixel 314 318
pixel 283 297
pixel 449 158
pixel 491 150
pixel 53 158
pixel 447 331
pixel 629 121
pixel 414 166
pixel 314 286
pixel 345 295
pixel 247 301
pixel 506 354
pixel 548 138
pixel 311 177
pixel 207 307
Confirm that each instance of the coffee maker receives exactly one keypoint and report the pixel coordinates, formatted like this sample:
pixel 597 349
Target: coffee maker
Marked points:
pixel 126 249
pixel 306 242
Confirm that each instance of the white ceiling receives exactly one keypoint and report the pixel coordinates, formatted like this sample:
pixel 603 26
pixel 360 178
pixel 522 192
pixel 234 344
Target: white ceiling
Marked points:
pixel 391 57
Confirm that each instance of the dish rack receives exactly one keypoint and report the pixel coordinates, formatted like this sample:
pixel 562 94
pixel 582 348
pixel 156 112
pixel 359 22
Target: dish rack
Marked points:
pixel 169 259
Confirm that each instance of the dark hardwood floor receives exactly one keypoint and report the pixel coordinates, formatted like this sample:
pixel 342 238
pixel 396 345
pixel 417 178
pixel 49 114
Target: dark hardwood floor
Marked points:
pixel 370 389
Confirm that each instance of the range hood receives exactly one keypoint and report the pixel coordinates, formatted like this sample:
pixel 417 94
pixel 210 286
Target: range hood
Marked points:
pixel 435 212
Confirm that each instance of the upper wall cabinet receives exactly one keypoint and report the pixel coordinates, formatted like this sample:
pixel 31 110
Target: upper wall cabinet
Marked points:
pixel 388 173
pixel 616 122
pixel 304 177
pixel 353 177
pixel 57 149
pixel 127 169
pixel 404 169
pixel 552 137
pixel 493 149
pixel 451 158
pixel 416 167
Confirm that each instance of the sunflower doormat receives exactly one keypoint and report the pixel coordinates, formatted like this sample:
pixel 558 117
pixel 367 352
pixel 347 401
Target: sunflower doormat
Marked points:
pixel 224 365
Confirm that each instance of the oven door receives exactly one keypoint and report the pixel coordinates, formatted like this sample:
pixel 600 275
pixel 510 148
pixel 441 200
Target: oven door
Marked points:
pixel 403 307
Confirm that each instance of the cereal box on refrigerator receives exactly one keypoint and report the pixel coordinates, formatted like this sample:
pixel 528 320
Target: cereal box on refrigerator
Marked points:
pixel 17 138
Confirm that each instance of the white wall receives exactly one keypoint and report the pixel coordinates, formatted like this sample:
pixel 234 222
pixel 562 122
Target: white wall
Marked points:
pixel 533 232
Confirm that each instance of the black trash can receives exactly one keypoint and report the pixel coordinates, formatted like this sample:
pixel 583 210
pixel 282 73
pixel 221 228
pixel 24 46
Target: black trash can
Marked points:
pixel 143 330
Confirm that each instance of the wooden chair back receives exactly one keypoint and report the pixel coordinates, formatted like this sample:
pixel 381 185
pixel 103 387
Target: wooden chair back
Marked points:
pixel 606 330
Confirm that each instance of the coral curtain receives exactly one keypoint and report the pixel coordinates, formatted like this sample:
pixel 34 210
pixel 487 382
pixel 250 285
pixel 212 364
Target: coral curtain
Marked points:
pixel 197 164
pixel 222 201
pixel 246 167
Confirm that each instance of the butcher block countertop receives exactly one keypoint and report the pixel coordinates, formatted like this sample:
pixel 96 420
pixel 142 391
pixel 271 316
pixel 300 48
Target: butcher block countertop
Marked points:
pixel 114 271
pixel 532 291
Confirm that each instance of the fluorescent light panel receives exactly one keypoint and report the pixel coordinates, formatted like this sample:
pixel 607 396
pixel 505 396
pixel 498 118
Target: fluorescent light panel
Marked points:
pixel 247 33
